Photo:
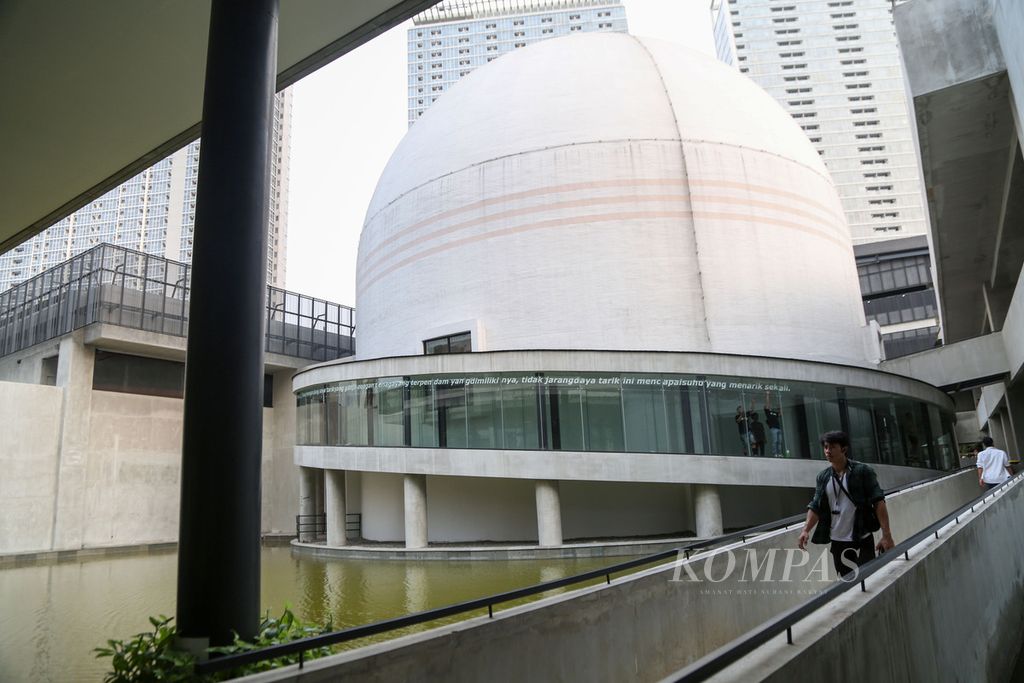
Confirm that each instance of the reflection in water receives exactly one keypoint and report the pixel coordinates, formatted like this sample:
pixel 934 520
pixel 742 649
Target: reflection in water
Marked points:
pixel 52 616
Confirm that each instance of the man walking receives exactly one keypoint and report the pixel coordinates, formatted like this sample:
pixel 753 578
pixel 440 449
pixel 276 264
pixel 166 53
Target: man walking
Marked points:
pixel 993 465
pixel 845 494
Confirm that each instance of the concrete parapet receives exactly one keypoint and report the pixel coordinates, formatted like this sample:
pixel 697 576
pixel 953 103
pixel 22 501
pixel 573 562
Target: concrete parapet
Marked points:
pixel 641 627
pixel 953 612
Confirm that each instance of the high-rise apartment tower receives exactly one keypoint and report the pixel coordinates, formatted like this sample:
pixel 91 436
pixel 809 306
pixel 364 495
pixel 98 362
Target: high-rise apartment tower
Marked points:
pixel 452 38
pixel 155 212
pixel 835 66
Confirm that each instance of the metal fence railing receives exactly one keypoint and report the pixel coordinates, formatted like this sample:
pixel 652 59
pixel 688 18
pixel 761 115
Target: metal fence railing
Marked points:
pixel 313 528
pixel 119 286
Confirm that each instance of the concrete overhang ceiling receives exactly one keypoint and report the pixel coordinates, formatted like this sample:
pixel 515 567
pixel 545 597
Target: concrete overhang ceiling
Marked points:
pixel 967 139
pixel 95 92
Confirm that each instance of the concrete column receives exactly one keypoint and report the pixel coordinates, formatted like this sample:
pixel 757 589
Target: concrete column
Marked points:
pixel 334 483
pixel 1014 420
pixel 995 429
pixel 307 491
pixel 318 492
pixel 415 511
pixel 219 532
pixel 707 510
pixel 75 364
pixel 549 513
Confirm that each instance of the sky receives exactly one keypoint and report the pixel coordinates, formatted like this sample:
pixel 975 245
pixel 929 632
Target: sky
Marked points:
pixel 347 119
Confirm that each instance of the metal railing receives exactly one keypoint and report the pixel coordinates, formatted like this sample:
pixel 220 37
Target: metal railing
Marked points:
pixel 300 647
pixel 732 652
pixel 313 528
pixel 128 288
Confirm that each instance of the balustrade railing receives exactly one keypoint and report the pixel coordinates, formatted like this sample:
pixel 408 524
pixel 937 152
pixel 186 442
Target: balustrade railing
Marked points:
pixel 120 286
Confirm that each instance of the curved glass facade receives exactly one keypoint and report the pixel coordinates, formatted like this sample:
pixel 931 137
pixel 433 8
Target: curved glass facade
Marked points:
pixel 624 412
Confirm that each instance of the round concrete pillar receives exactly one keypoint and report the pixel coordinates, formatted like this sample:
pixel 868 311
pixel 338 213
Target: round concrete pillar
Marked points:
pixel 549 513
pixel 307 491
pixel 415 511
pixel 707 510
pixel 334 501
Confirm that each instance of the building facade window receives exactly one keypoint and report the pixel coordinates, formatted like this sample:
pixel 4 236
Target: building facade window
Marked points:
pixel 461 342
pixel 624 412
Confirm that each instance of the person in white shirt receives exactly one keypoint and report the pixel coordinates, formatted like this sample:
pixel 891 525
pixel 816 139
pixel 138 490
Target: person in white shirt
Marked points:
pixel 993 465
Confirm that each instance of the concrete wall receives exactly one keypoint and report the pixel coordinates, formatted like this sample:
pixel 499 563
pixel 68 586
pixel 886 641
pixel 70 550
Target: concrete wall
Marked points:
pixel 593 509
pixel 382 506
pixel 1013 330
pixel 467 509
pixel 27 366
pixel 958 38
pixel 1008 17
pixel 478 509
pixel 86 469
pixel 29 446
pixel 131 483
pixel 641 627
pixel 280 477
pixel 954 612
pixel 677 468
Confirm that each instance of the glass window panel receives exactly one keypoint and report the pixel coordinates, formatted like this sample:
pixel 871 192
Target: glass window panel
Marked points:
pixel 802 421
pixel 332 419
pixel 899 277
pixel 460 343
pixel 301 420
pixel 484 415
pixel 859 407
pixel 433 346
pixel 775 414
pixel 389 413
pixel 912 432
pixel 519 416
pixel 317 421
pixel 452 414
pixel 602 415
pixel 643 409
pixel 913 276
pixel 564 417
pixel 422 413
pixel 352 400
pixel 729 423
pixel 138 375
pixel 686 433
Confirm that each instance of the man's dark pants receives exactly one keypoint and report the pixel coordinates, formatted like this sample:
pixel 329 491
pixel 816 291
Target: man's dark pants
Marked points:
pixel 857 553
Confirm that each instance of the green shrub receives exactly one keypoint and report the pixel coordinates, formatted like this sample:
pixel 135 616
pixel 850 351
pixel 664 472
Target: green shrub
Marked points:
pixel 149 657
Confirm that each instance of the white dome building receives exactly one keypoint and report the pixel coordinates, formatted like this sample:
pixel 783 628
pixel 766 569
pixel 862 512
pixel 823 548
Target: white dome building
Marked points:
pixel 609 192
pixel 598 278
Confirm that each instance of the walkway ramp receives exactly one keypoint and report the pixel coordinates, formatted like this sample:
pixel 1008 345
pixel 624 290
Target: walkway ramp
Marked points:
pixel 950 609
pixel 643 626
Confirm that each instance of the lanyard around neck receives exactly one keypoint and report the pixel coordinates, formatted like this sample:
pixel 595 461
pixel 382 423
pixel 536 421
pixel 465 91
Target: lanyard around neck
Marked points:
pixel 837 487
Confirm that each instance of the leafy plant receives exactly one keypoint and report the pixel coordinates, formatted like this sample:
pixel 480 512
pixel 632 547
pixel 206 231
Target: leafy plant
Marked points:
pixel 275 631
pixel 148 657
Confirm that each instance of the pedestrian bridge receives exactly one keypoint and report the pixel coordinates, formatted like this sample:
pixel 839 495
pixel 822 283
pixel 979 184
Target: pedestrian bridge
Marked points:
pixel 946 604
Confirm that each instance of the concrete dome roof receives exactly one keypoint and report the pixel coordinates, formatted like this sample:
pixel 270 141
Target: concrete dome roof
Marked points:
pixel 588 88
pixel 603 191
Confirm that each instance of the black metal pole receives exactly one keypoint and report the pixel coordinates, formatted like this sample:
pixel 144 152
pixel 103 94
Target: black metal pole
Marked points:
pixel 218 552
